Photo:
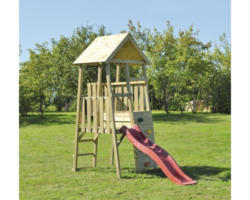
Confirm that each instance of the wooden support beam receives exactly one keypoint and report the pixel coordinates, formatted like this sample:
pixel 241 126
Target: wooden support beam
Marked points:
pixel 83 115
pixel 78 108
pixel 117 79
pixel 136 98
pixel 141 98
pixel 99 81
pixel 146 88
pixel 114 138
pixel 101 115
pixel 86 140
pixel 112 148
pixel 131 83
pixel 86 154
pixel 97 113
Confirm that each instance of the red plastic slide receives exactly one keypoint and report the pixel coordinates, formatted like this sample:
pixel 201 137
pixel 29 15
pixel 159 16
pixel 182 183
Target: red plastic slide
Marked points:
pixel 162 158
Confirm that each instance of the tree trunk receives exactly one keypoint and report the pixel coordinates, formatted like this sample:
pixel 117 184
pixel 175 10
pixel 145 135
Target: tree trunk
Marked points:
pixel 165 100
pixel 181 111
pixel 41 104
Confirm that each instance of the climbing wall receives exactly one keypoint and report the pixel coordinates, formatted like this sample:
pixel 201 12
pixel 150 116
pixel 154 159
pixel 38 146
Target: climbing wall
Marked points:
pixel 145 122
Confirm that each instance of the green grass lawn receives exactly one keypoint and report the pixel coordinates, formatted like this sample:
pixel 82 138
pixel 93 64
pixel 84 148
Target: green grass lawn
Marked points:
pixel 200 143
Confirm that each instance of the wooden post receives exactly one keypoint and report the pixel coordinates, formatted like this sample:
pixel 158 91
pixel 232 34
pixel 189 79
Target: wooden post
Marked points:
pixel 97 113
pixel 89 108
pixel 83 115
pixel 146 88
pixel 129 103
pixel 117 79
pixel 136 98
pixel 130 106
pixel 141 98
pixel 78 108
pixel 114 138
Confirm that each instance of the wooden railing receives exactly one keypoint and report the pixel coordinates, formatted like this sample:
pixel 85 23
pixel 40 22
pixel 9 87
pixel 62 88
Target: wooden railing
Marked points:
pixel 95 112
pixel 95 115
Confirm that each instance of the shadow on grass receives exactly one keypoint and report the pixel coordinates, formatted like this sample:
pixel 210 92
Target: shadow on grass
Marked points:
pixel 196 172
pixel 186 117
pixel 53 118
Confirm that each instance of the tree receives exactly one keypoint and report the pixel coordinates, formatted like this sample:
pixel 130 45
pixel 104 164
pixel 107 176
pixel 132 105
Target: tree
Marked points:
pixel 64 73
pixel 178 63
pixel 191 63
pixel 161 49
pixel 50 73
pixel 34 80
pixel 221 79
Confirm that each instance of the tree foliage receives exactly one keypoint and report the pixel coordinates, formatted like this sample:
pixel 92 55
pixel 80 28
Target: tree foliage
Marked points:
pixel 183 70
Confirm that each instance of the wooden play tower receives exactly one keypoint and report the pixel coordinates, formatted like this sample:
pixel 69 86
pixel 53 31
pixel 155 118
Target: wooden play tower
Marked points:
pixel 110 105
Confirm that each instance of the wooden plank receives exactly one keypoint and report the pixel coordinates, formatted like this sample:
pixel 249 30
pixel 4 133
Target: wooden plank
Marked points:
pixel 136 97
pixel 101 48
pixel 101 115
pixel 83 115
pixel 95 121
pixel 131 83
pixel 99 91
pixel 141 98
pixel 99 81
pixel 146 89
pixel 94 85
pixel 117 79
pixel 89 108
pixel 107 48
pixel 95 148
pixel 86 140
pixel 107 117
pixel 86 154
pixel 114 138
pixel 106 109
pixel 78 108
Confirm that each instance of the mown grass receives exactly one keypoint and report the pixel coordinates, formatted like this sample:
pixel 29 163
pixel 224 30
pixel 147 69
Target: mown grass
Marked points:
pixel 200 143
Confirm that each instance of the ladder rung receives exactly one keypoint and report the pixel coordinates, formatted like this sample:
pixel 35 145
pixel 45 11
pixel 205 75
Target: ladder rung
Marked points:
pixel 86 154
pixel 122 95
pixel 87 140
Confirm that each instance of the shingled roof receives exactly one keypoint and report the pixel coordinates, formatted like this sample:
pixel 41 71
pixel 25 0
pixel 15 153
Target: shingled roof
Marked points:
pixel 119 48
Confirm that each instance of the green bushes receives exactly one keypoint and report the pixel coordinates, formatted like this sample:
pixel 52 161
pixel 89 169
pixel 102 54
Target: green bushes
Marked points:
pixel 51 108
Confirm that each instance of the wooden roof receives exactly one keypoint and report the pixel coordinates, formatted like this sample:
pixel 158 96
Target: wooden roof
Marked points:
pixel 119 48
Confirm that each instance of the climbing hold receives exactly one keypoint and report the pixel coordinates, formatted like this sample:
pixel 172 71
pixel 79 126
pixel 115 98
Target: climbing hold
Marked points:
pixel 146 164
pixel 140 120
